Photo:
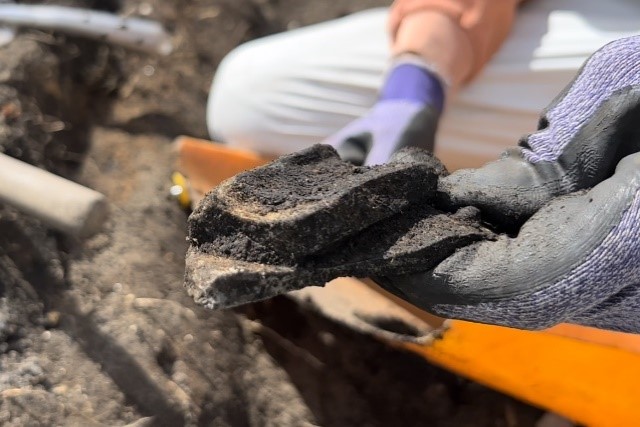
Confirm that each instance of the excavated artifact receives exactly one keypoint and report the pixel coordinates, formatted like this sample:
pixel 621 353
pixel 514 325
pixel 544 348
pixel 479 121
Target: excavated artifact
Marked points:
pixel 309 217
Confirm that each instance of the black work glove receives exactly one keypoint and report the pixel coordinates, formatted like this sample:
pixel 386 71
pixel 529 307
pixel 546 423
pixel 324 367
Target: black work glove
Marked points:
pixel 577 259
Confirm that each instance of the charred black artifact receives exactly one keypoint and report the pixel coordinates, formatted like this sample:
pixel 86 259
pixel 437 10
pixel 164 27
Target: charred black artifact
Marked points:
pixel 309 217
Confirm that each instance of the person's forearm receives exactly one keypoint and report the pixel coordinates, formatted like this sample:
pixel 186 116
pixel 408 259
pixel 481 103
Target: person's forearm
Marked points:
pixel 439 41
pixel 454 37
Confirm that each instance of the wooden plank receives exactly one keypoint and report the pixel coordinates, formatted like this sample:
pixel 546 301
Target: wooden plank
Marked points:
pixel 591 383
pixel 61 204
pixel 206 164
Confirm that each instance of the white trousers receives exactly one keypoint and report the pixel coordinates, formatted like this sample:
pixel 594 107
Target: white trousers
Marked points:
pixel 285 92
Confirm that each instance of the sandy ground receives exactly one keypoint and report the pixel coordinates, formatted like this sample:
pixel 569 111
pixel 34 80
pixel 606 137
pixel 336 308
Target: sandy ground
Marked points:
pixel 101 332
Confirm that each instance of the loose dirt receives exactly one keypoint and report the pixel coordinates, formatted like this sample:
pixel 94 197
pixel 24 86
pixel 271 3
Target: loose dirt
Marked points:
pixel 102 333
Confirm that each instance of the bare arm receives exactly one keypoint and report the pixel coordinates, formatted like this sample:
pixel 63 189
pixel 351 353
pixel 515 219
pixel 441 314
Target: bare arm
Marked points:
pixel 455 37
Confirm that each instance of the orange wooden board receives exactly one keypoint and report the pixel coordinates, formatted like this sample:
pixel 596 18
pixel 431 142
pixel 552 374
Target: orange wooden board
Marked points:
pixel 591 383
pixel 206 164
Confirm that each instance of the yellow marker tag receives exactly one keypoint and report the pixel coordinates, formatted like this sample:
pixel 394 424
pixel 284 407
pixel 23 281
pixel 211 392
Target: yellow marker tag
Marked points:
pixel 180 190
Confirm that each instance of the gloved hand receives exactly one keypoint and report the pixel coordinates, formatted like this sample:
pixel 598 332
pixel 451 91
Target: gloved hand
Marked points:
pixel 406 114
pixel 577 259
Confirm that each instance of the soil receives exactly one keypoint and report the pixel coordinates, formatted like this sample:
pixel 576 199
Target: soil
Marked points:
pixel 101 332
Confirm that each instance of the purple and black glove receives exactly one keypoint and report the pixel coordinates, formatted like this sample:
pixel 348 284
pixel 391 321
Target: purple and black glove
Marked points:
pixel 577 257
pixel 406 114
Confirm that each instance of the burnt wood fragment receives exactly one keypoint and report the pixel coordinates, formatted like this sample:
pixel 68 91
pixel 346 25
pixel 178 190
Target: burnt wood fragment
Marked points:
pixel 309 217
